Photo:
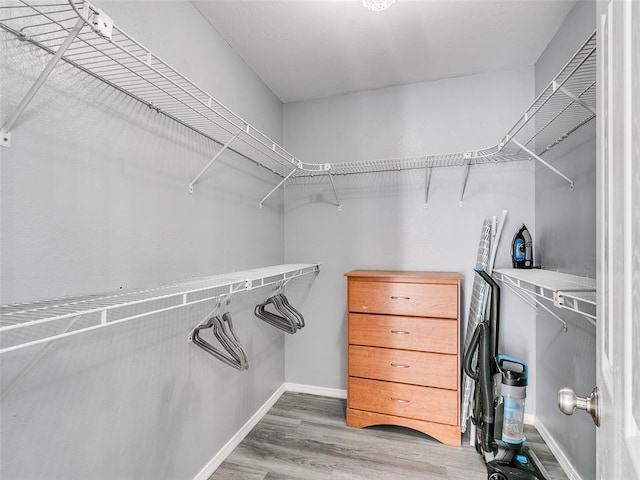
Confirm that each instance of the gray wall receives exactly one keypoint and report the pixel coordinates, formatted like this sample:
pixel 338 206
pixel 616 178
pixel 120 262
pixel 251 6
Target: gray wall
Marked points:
pixel 565 238
pixel 94 197
pixel 383 224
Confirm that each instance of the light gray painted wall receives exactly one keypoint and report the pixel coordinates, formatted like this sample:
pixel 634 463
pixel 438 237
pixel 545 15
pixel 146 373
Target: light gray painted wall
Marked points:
pixel 94 197
pixel 566 241
pixel 383 224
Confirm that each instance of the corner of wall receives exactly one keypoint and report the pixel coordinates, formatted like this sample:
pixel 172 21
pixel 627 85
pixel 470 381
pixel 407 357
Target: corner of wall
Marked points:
pixel 565 357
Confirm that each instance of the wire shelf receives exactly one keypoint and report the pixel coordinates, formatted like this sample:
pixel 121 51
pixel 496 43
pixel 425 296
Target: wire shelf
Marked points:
pixel 128 66
pixel 459 159
pixel 570 292
pixel 563 107
pixel 568 102
pixel 27 324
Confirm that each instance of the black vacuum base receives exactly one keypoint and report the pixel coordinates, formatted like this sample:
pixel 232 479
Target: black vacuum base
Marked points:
pixel 513 470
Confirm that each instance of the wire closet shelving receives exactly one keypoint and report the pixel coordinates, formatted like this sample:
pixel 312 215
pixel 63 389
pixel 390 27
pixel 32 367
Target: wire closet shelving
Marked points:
pixel 563 290
pixel 27 324
pixel 85 36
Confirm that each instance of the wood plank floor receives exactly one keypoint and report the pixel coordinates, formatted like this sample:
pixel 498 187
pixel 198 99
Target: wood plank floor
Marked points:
pixel 304 437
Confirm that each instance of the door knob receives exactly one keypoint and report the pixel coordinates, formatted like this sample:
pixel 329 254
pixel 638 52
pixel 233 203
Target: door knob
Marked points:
pixel 568 402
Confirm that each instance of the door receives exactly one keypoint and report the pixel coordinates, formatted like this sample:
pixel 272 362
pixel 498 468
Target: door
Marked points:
pixel 618 332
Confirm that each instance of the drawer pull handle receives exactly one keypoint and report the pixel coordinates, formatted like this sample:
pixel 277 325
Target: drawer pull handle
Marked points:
pixel 400 332
pixel 399 365
pixel 400 298
pixel 399 400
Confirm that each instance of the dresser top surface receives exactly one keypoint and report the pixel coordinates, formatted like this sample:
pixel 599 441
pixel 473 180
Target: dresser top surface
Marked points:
pixel 406 276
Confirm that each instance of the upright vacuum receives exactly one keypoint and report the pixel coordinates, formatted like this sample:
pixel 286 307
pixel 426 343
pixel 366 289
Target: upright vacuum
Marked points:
pixel 500 392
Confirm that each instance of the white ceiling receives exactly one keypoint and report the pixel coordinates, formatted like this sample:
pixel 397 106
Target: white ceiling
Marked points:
pixel 306 49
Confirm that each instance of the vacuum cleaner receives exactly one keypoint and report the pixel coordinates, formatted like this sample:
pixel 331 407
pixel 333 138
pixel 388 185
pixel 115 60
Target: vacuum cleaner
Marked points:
pixel 500 392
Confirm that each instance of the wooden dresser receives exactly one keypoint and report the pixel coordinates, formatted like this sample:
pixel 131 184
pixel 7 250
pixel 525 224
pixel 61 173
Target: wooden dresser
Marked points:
pixel 404 351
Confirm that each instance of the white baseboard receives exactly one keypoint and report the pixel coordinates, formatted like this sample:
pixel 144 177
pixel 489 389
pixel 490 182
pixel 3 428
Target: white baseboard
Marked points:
pixel 225 451
pixel 529 419
pixel 564 462
pixel 313 390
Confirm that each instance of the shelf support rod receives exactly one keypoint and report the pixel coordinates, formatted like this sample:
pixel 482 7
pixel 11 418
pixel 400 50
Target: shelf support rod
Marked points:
pixel 575 98
pixel 5 131
pixel 527 116
pixel 335 192
pixel 277 187
pixel 215 157
pixel 464 183
pixel 427 183
pixel 546 164
pixel 528 298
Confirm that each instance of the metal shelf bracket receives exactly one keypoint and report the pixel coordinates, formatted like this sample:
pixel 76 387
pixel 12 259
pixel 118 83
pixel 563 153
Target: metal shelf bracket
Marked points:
pixel 543 162
pixel 5 138
pixel 428 171
pixel 215 157
pixel 563 291
pixel 335 192
pixel 573 97
pixel 26 100
pixel 276 187
pixel 29 324
pixel 109 54
pixel 535 303
pixel 468 156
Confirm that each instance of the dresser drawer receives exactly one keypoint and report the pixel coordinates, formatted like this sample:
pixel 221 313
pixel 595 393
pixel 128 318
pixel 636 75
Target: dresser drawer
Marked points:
pixel 406 333
pixel 417 299
pixel 423 403
pixel 418 368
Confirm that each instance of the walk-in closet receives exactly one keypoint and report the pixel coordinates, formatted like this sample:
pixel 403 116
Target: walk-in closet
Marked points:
pixel 255 239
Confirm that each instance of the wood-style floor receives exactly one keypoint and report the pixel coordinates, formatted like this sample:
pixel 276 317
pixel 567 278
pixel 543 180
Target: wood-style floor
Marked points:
pixel 304 437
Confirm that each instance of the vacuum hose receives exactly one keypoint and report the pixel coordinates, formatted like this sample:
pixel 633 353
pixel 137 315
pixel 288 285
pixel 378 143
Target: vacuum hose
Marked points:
pixel 494 319
pixel 486 382
pixel 486 346
pixel 467 360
